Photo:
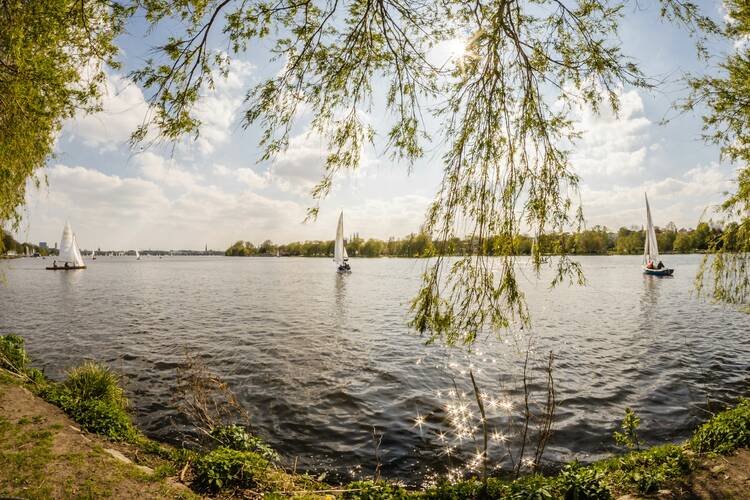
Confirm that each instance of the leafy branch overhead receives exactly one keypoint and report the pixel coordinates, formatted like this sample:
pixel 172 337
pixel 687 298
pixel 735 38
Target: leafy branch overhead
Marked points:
pixel 504 108
pixel 725 272
pixel 52 59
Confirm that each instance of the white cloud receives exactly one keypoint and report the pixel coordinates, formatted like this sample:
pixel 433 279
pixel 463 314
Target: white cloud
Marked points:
pixel 217 110
pixel 301 166
pixel 123 110
pixel 246 176
pixel 110 211
pixel 682 199
pixel 612 144
pixel 166 172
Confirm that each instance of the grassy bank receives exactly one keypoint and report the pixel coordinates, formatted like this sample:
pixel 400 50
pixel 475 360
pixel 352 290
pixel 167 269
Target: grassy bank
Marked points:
pixel 36 414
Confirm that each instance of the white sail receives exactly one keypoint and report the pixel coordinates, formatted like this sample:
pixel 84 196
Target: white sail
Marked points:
pixel 137 255
pixel 69 252
pixel 651 248
pixel 339 250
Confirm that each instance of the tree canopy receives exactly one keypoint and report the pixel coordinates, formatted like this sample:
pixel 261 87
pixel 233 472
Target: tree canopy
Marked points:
pixel 504 106
pixel 725 273
pixel 51 57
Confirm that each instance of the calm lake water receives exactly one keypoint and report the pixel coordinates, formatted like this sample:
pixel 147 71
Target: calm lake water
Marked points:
pixel 320 359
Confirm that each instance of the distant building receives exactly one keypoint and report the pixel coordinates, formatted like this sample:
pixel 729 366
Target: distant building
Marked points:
pixel 43 244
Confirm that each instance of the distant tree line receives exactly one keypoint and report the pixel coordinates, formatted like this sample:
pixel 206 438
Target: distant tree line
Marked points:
pixel 596 241
pixel 9 244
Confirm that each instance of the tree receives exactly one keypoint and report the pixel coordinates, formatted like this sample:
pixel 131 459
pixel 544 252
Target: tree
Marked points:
pixel 683 242
pixel 504 106
pixel 505 109
pixel 52 55
pixel 725 272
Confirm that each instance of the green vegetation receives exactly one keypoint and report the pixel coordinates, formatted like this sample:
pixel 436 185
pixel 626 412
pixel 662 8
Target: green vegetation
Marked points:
pixel 595 241
pixel 237 438
pixel 725 432
pixel 52 56
pixel 242 461
pixel 92 396
pixel 9 244
pixel 629 435
pixel 228 468
pixel 725 276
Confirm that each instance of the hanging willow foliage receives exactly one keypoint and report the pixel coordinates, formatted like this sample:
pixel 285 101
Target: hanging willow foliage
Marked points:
pixel 505 108
pixel 724 274
pixel 52 55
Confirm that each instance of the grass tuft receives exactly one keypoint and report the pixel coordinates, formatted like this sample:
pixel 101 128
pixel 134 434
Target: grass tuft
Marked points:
pixel 92 396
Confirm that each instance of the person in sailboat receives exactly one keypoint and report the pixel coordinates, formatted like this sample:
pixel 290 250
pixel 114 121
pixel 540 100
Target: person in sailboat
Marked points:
pixel 54 263
pixel 650 264
pixel 660 265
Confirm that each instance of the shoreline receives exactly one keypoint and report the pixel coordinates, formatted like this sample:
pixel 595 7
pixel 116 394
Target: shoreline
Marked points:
pixel 714 460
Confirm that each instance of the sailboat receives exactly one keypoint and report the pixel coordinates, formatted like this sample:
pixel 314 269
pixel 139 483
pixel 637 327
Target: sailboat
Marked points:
pixel 137 255
pixel 651 250
pixel 340 257
pixel 93 254
pixel 70 254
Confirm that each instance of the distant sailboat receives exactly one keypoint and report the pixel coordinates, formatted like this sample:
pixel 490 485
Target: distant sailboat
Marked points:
pixel 340 257
pixel 651 250
pixel 70 255
pixel 137 255
pixel 93 254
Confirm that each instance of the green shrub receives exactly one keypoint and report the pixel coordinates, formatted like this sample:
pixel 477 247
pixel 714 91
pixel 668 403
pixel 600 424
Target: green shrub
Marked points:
pixel 578 483
pixel 237 438
pixel 13 354
pixel 645 471
pixel 226 468
pixel 92 396
pixel 629 435
pixel 374 490
pixel 533 487
pixel 725 432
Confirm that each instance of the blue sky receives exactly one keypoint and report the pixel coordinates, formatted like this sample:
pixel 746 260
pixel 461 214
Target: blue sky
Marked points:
pixel 213 191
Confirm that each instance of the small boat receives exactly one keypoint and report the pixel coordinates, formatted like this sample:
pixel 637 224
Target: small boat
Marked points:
pixel 340 257
pixel 137 255
pixel 70 254
pixel 651 250
pixel 93 254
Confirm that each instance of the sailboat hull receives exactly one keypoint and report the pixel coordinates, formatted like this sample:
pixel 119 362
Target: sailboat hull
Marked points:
pixel 69 268
pixel 658 272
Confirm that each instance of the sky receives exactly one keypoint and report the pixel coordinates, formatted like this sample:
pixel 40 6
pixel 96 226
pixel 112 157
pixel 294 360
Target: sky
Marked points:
pixel 213 191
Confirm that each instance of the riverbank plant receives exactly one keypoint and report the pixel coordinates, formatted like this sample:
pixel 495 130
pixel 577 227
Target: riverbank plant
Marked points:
pixel 725 432
pixel 15 360
pixel 91 395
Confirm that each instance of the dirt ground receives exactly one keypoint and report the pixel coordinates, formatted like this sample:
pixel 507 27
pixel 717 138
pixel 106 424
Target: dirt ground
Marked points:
pixel 718 478
pixel 43 454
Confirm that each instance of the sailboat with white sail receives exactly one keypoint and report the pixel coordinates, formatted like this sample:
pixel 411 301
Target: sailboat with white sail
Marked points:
pixel 70 255
pixel 651 250
pixel 137 255
pixel 340 257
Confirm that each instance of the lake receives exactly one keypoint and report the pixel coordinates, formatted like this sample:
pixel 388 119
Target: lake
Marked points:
pixel 321 360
